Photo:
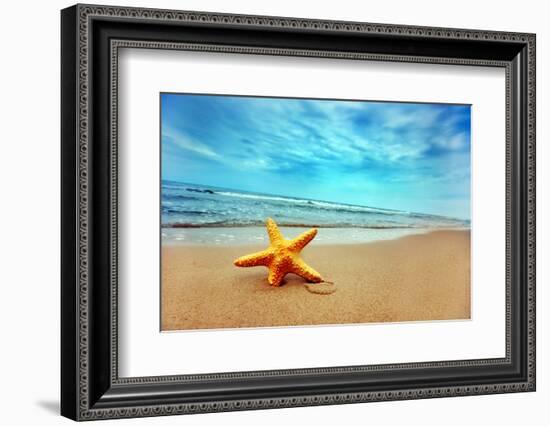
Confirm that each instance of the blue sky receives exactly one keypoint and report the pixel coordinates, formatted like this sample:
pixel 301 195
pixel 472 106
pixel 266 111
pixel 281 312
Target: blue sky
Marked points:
pixel 405 156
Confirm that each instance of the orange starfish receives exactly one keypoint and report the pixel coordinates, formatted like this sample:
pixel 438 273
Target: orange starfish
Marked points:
pixel 282 256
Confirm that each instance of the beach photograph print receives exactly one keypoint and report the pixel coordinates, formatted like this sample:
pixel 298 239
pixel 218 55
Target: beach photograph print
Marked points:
pixel 280 212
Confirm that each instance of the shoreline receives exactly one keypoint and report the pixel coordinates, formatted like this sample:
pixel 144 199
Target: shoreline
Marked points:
pixel 257 235
pixel 418 277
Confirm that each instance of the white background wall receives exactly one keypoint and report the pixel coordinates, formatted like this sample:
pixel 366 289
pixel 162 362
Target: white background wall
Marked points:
pixel 29 213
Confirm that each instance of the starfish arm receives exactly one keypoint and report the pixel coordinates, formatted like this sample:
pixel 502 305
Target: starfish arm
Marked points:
pixel 301 268
pixel 261 258
pixel 302 240
pixel 275 235
pixel 276 274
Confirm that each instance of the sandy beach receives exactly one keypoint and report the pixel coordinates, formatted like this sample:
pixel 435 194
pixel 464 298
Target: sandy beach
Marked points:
pixel 413 278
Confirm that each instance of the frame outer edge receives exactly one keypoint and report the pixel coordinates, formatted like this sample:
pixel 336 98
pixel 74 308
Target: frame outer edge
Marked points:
pixel 69 192
pixel 83 84
pixel 531 200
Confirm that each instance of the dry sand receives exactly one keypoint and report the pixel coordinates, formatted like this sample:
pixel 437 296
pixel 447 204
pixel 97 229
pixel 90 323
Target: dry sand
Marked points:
pixel 414 278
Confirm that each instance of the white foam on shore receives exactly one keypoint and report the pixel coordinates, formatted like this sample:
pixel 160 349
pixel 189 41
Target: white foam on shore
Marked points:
pixel 258 235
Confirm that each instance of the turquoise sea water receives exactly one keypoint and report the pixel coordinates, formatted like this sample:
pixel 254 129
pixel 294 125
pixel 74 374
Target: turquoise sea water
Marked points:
pixel 192 213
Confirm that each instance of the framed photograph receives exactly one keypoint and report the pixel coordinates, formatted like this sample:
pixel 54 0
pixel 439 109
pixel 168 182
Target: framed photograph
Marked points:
pixel 263 212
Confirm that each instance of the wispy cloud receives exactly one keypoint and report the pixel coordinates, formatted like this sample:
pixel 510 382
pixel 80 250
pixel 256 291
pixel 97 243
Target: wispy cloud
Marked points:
pixel 397 155
pixel 186 143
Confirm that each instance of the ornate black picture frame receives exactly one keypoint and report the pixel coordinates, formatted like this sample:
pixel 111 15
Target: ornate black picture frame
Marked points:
pixel 91 387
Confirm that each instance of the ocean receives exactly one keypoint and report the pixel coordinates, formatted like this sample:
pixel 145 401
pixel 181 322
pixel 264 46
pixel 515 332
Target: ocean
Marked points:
pixel 200 214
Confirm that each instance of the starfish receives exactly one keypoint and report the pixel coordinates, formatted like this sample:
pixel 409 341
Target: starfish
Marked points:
pixel 282 256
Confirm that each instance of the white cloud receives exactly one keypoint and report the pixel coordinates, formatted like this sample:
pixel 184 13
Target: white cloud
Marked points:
pixel 185 142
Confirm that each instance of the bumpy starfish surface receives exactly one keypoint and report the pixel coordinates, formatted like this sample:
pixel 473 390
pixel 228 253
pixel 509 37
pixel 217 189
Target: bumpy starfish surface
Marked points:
pixel 282 256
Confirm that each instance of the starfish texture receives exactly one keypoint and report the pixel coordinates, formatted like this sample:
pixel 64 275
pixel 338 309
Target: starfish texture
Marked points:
pixel 282 256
